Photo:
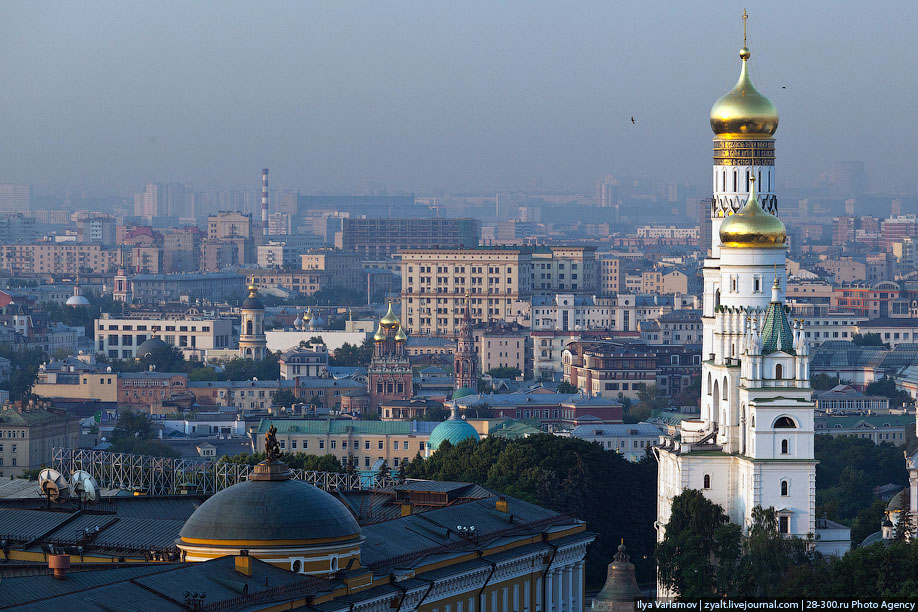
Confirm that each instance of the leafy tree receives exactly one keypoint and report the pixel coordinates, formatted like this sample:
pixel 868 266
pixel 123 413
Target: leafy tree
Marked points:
pixel 566 475
pixel 867 521
pixel 436 413
pixel 887 388
pixel 25 364
pixel 690 395
pixel 284 397
pixel 132 425
pixel 868 339
pixel 384 469
pixel 699 543
pixel 566 387
pixel 823 382
pixel 505 372
pixel 479 411
pixel 349 355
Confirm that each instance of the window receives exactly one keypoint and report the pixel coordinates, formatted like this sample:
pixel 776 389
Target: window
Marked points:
pixel 784 524
pixel 707 481
pixel 785 423
pixel 395 447
pixel 321 443
pixel 779 371
pixel 784 488
pixel 380 445
pixel 334 443
pixel 366 445
pixel 784 447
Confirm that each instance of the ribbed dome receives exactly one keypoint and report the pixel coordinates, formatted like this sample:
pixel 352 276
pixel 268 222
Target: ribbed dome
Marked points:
pixel 271 511
pixel 77 301
pixel 752 227
pixel 150 346
pixel 743 112
pixel 453 429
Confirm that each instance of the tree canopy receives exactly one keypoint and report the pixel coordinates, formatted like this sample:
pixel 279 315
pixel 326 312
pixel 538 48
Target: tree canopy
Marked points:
pixel 350 355
pixel 298 461
pixel 615 497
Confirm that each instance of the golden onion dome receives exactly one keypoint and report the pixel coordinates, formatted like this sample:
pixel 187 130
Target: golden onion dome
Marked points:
pixel 743 112
pixel 400 335
pixel 307 316
pixel 389 319
pixel 380 335
pixel 752 227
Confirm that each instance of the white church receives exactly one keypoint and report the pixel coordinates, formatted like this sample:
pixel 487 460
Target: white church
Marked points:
pixel 753 445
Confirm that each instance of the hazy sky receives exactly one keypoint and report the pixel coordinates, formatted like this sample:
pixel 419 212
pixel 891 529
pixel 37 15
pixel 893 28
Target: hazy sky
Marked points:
pixel 461 96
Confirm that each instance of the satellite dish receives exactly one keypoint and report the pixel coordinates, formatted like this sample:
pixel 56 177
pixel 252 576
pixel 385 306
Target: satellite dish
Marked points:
pixel 53 485
pixel 85 486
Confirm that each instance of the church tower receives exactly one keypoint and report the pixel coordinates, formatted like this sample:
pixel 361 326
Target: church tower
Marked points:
pixel 389 375
pixel 753 443
pixel 465 361
pixel 252 341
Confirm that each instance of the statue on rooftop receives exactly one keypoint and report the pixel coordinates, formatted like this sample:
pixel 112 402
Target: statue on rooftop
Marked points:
pixel 272 449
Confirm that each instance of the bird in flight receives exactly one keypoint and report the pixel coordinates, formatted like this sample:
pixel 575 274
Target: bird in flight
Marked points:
pixel 632 119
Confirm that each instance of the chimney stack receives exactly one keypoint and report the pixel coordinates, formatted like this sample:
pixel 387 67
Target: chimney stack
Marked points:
pixel 60 564
pixel 264 202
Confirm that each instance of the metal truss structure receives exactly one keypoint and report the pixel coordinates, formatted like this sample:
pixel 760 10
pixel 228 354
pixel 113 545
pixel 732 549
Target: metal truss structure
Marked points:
pixel 168 476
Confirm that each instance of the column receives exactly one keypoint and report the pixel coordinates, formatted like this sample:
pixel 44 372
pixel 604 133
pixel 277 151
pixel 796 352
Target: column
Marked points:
pixel 549 596
pixel 578 587
pixel 568 587
pixel 558 578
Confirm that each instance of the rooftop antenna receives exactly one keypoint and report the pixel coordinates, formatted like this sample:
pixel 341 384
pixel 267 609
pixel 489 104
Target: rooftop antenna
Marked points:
pixel 85 487
pixel 53 486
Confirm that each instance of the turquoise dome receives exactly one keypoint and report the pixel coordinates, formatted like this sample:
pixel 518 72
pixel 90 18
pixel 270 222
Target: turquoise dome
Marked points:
pixel 453 429
pixel 463 391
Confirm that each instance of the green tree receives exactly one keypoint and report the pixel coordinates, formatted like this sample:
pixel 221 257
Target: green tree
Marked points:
pixel 823 382
pixel 284 397
pixel 566 387
pixel 132 425
pixel 25 364
pixel 868 339
pixel 353 356
pixel 700 543
pixel 887 387
pixel 867 521
pixel 505 372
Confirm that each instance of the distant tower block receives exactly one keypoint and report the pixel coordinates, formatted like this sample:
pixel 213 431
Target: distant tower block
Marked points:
pixel 264 201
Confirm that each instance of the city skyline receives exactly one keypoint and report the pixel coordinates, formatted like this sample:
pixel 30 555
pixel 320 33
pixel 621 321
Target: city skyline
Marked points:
pixel 426 98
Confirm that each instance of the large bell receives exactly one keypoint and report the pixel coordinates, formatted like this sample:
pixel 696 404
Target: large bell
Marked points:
pixel 621 589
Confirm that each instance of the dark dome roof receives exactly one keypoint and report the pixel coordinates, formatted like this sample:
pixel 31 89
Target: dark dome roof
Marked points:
pixel 271 510
pixel 252 303
pixel 149 346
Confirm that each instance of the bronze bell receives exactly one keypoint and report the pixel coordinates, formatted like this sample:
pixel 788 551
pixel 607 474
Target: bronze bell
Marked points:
pixel 621 589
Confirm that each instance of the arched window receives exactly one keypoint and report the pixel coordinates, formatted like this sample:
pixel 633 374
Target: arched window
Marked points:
pixel 783 447
pixel 734 181
pixel 710 384
pixel 785 423
pixel 707 481
pixel 296 566
pixel 760 180
pixel 249 326
pixel 723 181
pixel 717 298
pixel 779 371
pixel 724 389
pixel 747 181
pixel 784 488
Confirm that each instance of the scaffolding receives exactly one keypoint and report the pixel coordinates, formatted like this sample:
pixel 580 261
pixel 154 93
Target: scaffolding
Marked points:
pixel 168 476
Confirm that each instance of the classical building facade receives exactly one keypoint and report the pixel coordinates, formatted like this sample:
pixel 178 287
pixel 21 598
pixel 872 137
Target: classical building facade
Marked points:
pixel 753 444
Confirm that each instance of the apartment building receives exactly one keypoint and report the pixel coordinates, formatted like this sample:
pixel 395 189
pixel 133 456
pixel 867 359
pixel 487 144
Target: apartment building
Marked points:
pixel 565 269
pixel 341 269
pixel 28 434
pixel 503 345
pixel 72 379
pixel 57 258
pixel 611 276
pixel 435 282
pixel 156 288
pixel 609 369
pixel 378 238
pixel 194 336
pixel 237 395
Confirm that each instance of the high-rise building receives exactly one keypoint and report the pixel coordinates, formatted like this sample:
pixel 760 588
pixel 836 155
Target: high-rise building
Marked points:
pixel 753 445
pixel 15 198
pixel 378 238
pixel 151 202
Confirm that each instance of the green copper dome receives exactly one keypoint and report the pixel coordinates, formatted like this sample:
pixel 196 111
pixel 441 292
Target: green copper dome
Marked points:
pixel 453 429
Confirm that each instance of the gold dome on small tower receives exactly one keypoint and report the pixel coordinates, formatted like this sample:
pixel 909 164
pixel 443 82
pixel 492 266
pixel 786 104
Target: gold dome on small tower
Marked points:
pixel 743 112
pixel 752 227
pixel 380 335
pixel 389 319
pixel 400 335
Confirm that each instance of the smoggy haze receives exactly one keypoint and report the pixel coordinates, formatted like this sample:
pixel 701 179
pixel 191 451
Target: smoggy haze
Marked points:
pixel 457 96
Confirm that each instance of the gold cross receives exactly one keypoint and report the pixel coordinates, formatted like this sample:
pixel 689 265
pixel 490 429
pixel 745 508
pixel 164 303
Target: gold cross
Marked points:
pixel 745 17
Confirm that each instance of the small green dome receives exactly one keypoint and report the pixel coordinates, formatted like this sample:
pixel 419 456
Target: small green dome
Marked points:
pixel 463 391
pixel 453 429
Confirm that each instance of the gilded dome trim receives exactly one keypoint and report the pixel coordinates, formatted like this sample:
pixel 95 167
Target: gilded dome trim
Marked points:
pixel 743 112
